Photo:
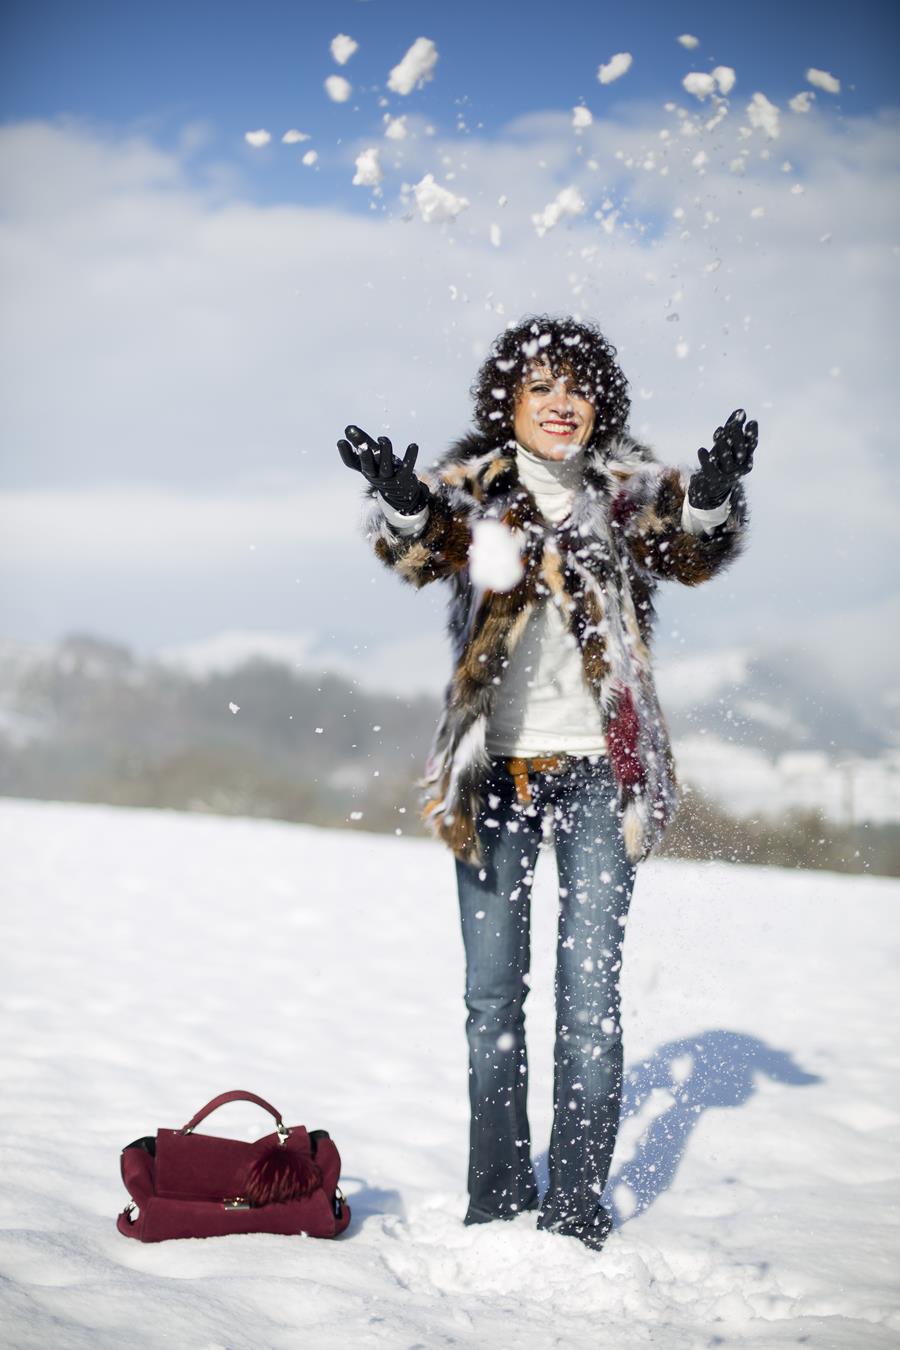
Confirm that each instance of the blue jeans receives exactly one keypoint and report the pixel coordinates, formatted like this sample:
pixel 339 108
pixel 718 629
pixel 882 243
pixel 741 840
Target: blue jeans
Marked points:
pixel 595 886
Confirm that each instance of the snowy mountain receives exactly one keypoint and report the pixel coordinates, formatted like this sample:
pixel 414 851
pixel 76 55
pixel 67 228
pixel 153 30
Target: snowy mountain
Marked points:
pixel 245 720
pixel 152 960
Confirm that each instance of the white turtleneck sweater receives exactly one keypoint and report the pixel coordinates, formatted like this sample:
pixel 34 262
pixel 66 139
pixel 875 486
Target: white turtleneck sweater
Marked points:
pixel 543 705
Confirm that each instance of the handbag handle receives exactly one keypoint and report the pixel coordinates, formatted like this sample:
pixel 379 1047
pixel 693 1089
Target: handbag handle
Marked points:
pixel 237 1096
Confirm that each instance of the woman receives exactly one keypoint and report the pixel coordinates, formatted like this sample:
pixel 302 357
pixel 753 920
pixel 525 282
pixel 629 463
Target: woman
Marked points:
pixel 551 709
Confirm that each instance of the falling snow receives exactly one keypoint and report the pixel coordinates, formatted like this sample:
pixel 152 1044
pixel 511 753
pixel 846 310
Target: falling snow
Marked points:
pixel 338 89
pixel 614 68
pixel 342 48
pixel 416 68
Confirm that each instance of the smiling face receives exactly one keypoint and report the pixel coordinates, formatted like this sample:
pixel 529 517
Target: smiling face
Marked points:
pixel 551 419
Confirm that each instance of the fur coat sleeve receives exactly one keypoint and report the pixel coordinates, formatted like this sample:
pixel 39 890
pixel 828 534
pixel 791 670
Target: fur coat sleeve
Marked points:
pixel 646 513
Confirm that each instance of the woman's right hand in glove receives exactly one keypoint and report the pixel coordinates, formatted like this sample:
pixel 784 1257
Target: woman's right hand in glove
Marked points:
pixel 393 477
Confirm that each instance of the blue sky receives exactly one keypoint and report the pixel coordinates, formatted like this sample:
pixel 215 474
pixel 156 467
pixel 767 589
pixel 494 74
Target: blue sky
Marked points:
pixel 232 67
pixel 189 323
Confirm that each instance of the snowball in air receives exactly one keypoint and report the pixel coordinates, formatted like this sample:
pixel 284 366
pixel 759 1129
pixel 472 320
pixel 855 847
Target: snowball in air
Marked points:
pixel 310 158
pixel 702 85
pixel 802 102
pixel 368 170
pixel 822 80
pixel 257 138
pixel 763 115
pixel 436 203
pixel 395 130
pixel 688 40
pixel 496 235
pixel 568 202
pixel 581 118
pixel 495 560
pixel 724 77
pixel 338 89
pixel 416 68
pixel 342 48
pixel 614 68
pixel 293 137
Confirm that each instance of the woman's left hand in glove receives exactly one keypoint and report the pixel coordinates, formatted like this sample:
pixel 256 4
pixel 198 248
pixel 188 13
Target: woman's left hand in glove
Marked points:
pixel 731 456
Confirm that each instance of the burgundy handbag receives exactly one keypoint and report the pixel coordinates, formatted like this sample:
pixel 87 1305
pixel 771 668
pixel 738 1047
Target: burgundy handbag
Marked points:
pixel 184 1184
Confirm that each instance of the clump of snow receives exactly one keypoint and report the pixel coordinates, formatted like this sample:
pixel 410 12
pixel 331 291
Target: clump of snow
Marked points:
pixel 257 138
pixel 234 707
pixel 437 203
pixel 568 202
pixel 495 559
pixel 311 157
pixel 581 117
pixel 764 115
pixel 823 80
pixel 701 85
pixel 342 48
pixel 802 102
pixel 681 349
pixel 688 40
pixel 416 68
pixel 368 169
pixel 724 77
pixel 395 127
pixel 293 137
pixel 338 89
pixel 614 68
pixel 496 235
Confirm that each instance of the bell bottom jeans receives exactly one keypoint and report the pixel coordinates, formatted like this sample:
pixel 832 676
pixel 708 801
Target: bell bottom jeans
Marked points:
pixel 596 881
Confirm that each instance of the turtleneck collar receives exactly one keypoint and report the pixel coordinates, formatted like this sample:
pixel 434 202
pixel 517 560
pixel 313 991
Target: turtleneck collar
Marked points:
pixel 550 476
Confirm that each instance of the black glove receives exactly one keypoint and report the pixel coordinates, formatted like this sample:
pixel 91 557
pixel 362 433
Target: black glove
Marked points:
pixel 394 478
pixel 721 467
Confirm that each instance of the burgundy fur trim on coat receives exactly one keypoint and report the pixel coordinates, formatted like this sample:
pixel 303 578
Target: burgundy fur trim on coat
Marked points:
pixel 601 564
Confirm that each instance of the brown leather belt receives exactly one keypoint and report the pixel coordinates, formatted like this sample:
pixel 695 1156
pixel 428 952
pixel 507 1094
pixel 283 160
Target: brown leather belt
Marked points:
pixel 521 768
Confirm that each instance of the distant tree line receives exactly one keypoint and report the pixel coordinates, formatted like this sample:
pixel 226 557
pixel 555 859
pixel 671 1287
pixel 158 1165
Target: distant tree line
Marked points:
pixel 271 742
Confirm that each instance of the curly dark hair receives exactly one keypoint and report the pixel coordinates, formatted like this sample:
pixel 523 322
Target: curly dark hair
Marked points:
pixel 578 350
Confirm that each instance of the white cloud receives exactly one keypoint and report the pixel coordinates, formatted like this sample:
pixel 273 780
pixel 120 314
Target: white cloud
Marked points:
pixel 416 68
pixel 257 138
pixel 689 41
pixel 823 80
pixel 310 157
pixel 294 137
pixel 342 48
pixel 338 89
pixel 614 68
pixel 802 102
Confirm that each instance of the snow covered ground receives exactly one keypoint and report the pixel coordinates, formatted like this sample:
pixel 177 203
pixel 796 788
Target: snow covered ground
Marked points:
pixel 153 960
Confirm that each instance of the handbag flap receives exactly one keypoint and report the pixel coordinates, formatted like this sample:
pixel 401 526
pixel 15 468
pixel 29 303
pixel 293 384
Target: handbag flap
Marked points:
pixel 207 1167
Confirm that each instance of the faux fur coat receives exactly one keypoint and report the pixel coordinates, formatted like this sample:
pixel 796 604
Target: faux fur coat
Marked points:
pixel 601 564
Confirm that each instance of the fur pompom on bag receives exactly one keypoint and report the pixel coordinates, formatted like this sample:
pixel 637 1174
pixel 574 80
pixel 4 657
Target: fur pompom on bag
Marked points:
pixel 280 1175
